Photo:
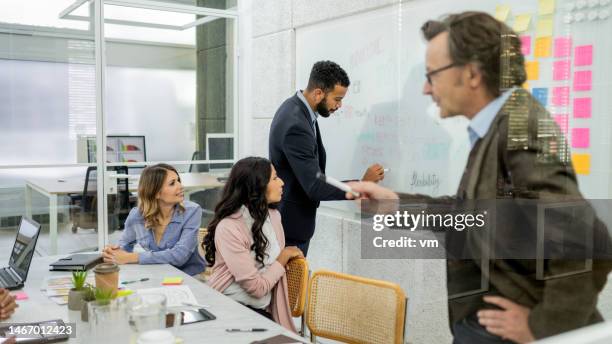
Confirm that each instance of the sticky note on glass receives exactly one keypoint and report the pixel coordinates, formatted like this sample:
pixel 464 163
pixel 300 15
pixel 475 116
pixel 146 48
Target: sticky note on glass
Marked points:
pixel 526 45
pixel 580 137
pixel 561 96
pixel 582 107
pixel 544 27
pixel 543 46
pixel 533 70
pixel 582 163
pixel 172 280
pixel 562 122
pixel 563 46
pixel 546 7
pixel 521 22
pixel 561 70
pixel 502 12
pixel 583 80
pixel 583 56
pixel 541 94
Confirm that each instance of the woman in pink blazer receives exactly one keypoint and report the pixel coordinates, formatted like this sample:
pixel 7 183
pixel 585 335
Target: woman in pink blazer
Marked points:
pixel 245 243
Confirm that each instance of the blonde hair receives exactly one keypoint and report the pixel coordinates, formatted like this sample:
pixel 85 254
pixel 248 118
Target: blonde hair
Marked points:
pixel 151 182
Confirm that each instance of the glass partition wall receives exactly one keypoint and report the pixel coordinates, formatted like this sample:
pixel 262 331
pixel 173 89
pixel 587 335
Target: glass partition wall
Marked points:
pixel 150 81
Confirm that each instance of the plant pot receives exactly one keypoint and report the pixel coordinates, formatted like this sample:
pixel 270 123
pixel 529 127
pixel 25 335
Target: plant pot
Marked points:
pixel 75 299
pixel 85 311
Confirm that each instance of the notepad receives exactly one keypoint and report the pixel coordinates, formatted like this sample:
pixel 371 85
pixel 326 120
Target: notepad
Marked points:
pixel 172 280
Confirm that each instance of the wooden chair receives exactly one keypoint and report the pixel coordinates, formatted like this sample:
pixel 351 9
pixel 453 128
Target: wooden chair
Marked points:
pixel 297 283
pixel 201 234
pixel 354 309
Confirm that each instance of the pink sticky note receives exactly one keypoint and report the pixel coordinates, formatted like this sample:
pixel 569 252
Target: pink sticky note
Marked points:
pixel 583 55
pixel 562 122
pixel 20 295
pixel 561 70
pixel 580 137
pixel 561 96
pixel 526 45
pixel 582 107
pixel 563 46
pixel 583 80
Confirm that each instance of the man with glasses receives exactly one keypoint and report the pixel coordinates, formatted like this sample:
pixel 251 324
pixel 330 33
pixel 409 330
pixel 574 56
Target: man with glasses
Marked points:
pixel 475 69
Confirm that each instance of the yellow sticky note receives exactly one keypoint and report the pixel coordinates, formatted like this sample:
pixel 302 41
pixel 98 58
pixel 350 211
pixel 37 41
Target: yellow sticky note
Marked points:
pixel 502 12
pixel 533 70
pixel 544 27
pixel 526 86
pixel 172 280
pixel 521 22
pixel 543 47
pixel 582 163
pixel 546 7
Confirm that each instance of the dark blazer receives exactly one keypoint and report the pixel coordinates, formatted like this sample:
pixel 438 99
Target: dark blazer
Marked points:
pixel 298 154
pixel 557 305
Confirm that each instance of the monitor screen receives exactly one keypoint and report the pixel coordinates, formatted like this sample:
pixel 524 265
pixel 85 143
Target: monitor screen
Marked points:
pixel 220 147
pixel 23 249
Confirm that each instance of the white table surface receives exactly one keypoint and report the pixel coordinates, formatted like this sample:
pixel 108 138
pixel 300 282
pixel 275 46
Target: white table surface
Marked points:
pixel 230 314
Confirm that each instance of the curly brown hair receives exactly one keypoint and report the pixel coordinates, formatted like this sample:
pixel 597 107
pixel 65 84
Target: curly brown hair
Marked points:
pixel 477 37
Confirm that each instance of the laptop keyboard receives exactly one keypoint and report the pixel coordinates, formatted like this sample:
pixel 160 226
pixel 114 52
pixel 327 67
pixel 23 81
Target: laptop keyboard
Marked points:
pixel 6 278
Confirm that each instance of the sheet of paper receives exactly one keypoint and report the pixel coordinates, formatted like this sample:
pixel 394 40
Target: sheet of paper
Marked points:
pixel 521 22
pixel 526 45
pixel 502 12
pixel 175 295
pixel 583 80
pixel 561 96
pixel 561 70
pixel 544 27
pixel 582 163
pixel 583 55
pixel 563 46
pixel 582 107
pixel 543 47
pixel 546 7
pixel 541 94
pixel 533 70
pixel 581 137
pixel 562 122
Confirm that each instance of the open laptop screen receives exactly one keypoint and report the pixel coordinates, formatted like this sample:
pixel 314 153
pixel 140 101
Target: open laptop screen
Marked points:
pixel 23 250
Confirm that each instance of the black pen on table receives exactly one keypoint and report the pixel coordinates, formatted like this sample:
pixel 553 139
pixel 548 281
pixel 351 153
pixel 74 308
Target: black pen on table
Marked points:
pixel 254 329
pixel 140 280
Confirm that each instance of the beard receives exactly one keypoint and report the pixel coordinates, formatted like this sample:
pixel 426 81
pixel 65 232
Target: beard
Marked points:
pixel 322 108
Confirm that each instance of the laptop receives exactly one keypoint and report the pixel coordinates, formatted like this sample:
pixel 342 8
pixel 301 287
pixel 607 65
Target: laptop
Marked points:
pixel 14 276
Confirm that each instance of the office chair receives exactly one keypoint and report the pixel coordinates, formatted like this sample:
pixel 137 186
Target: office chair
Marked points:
pixel 297 285
pixel 197 155
pixel 355 309
pixel 118 205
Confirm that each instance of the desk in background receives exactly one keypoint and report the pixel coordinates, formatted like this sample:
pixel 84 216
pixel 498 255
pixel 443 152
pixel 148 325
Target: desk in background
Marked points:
pixel 52 188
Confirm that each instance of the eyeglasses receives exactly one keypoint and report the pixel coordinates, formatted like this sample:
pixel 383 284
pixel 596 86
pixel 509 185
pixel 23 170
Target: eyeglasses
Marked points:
pixel 436 71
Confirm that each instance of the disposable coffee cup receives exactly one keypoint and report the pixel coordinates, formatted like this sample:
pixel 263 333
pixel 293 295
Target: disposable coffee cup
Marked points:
pixel 107 276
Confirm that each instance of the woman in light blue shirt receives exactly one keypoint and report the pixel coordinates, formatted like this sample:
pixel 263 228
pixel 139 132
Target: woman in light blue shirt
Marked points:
pixel 164 225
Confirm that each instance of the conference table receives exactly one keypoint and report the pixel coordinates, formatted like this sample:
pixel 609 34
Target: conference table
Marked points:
pixel 53 188
pixel 229 314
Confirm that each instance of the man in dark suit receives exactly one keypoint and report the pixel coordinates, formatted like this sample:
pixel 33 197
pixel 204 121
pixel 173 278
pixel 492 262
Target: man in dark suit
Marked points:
pixel 297 152
pixel 475 69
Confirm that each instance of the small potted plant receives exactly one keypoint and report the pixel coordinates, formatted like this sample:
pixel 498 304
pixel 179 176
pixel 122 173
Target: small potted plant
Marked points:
pixel 103 296
pixel 75 295
pixel 88 297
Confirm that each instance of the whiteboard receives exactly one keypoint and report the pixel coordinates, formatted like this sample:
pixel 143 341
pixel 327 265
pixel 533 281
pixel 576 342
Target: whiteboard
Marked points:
pixel 386 119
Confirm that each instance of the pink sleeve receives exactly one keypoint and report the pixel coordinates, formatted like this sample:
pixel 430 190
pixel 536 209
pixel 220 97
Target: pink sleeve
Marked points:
pixel 234 247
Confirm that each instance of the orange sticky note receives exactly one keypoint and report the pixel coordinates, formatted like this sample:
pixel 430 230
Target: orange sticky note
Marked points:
pixel 582 163
pixel 543 46
pixel 172 280
pixel 533 70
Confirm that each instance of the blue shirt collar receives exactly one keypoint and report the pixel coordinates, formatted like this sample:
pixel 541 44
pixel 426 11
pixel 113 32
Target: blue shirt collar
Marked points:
pixel 313 115
pixel 480 124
